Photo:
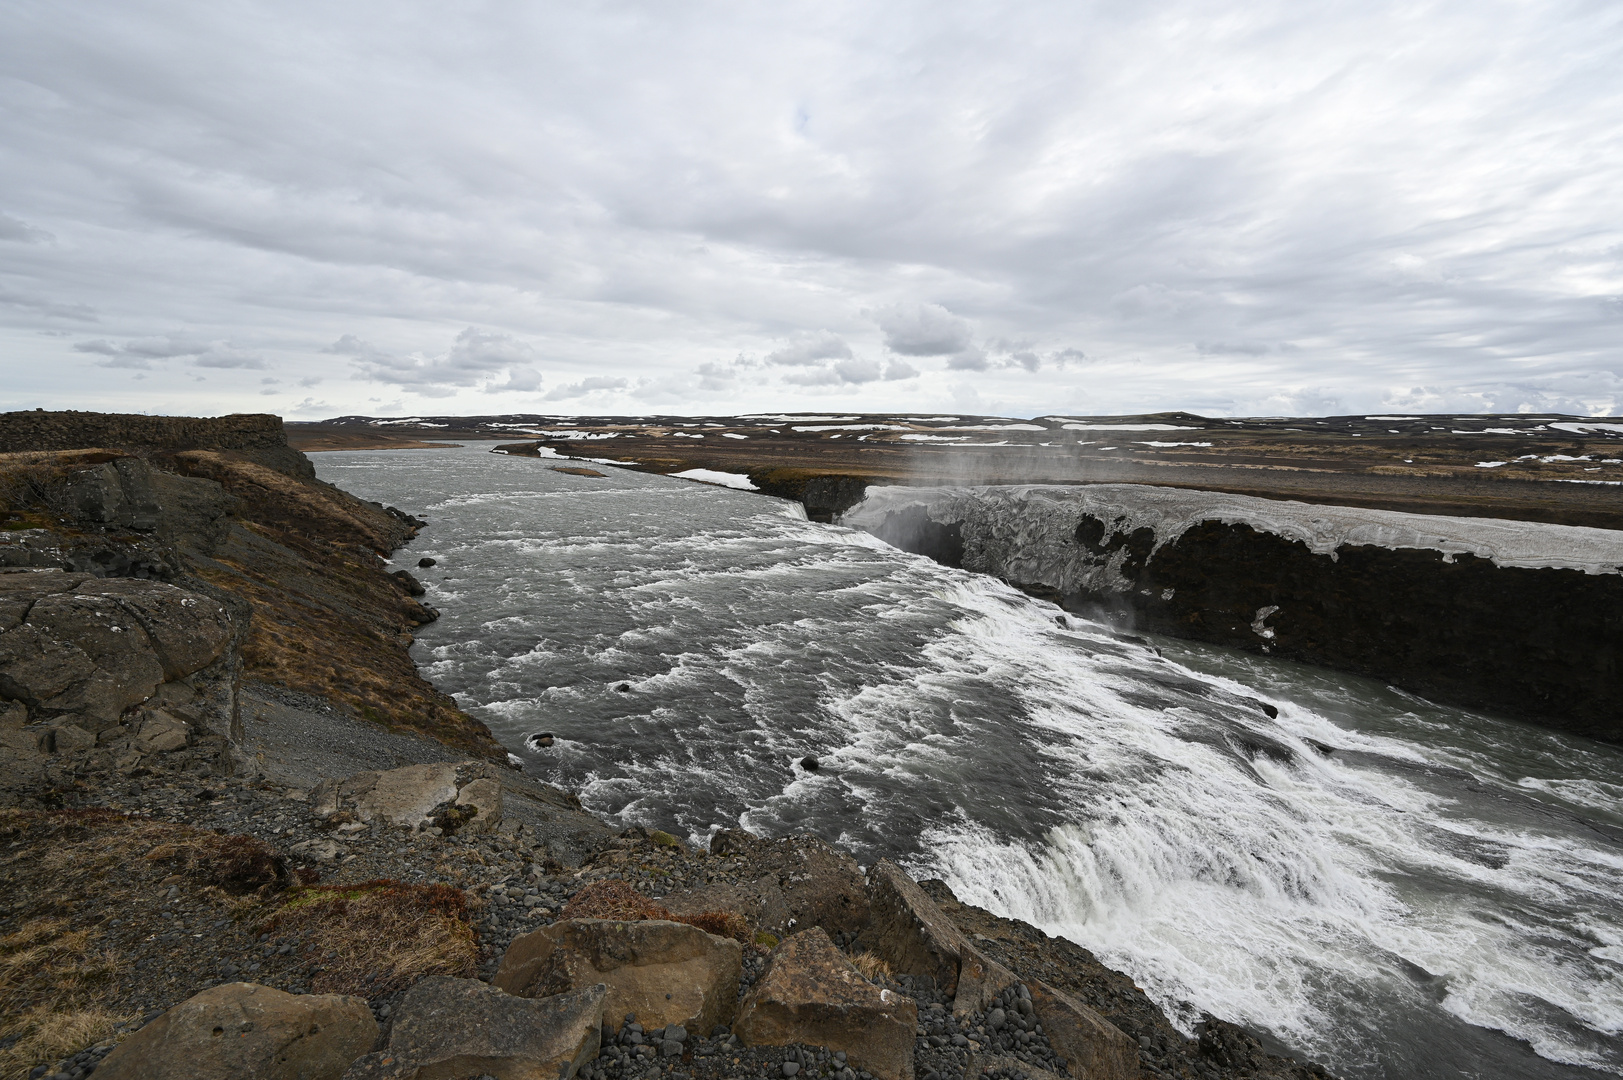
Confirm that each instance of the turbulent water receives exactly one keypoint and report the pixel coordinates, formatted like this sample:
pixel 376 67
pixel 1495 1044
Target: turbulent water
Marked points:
pixel 1391 887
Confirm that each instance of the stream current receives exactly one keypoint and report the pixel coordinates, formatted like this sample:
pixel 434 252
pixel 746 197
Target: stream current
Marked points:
pixel 1388 886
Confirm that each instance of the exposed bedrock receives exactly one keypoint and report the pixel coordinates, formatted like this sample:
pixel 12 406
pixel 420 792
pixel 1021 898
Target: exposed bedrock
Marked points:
pixel 1518 618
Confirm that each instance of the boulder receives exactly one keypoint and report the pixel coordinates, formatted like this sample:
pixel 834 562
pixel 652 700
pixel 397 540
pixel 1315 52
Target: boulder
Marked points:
pixel 760 902
pixel 446 1027
pixel 409 795
pixel 811 993
pixel 663 972
pixel 1091 1045
pixel 485 796
pixel 66 738
pixel 243 1031
pixel 160 733
pixel 980 980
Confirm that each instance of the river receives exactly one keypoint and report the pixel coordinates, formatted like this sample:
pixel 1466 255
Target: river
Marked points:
pixel 1391 887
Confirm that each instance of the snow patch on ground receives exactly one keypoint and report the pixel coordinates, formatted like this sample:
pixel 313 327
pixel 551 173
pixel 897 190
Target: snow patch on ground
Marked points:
pixel 713 476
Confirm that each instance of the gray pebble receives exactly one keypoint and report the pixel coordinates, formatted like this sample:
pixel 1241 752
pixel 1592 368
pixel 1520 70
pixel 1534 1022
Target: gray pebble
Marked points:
pixel 790 1068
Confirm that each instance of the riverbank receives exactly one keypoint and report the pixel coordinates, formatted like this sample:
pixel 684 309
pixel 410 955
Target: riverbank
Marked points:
pixel 218 773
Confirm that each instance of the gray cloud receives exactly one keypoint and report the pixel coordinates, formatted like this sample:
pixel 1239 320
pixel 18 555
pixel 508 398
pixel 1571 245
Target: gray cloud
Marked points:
pixel 997 187
pixel 921 329
pixel 806 347
pixel 586 386
pixel 475 357
pixel 141 352
pixel 16 229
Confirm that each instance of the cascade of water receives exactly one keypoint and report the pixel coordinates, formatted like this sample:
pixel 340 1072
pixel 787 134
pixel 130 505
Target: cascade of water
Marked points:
pixel 1378 882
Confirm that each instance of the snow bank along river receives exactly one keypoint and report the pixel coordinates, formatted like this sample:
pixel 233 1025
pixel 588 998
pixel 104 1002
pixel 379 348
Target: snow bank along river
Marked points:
pixel 1391 887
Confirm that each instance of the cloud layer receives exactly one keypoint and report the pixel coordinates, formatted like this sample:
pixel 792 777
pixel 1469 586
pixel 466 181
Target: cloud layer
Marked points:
pixel 1077 207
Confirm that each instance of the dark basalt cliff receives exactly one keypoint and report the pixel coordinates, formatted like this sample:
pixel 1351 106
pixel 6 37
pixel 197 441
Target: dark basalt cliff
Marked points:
pixel 1539 643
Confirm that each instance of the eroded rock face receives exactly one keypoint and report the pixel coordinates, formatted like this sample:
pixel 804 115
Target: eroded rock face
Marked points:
pixel 663 972
pixel 446 1027
pixel 1091 1045
pixel 239 1031
pixel 89 647
pixel 811 993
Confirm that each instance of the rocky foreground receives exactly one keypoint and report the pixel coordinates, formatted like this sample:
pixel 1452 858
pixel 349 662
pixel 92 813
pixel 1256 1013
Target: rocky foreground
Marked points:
pixel 217 862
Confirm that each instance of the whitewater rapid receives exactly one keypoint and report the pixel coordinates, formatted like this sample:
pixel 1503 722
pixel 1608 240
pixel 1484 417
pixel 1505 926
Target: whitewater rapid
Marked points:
pixel 1388 886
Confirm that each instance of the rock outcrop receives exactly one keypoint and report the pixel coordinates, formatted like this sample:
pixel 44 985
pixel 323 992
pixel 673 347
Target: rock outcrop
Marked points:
pixel 225 510
pixel 239 1030
pixel 447 1028
pixel 662 972
pixel 811 993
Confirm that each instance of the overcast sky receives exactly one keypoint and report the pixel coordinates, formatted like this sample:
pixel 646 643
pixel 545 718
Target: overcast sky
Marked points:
pixel 1250 207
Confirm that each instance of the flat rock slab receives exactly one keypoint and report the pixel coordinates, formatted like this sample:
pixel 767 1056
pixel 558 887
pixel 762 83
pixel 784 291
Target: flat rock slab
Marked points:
pixel 445 1029
pixel 811 993
pixel 1091 1045
pixel 408 795
pixel 662 972
pixel 243 1031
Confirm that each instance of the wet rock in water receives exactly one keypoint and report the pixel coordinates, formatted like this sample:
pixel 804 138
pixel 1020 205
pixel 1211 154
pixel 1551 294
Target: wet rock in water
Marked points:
pixel 245 1030
pixel 1090 1045
pixel 445 1027
pixel 812 994
pixel 425 563
pixel 662 972
pixel 623 688
pixel 540 739
pixel 408 582
pixel 1270 711
pixel 810 764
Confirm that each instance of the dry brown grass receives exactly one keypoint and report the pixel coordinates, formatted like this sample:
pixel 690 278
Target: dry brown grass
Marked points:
pixel 237 864
pixel 60 984
pixel 614 899
pixel 379 936
pixel 51 978
pixel 872 966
